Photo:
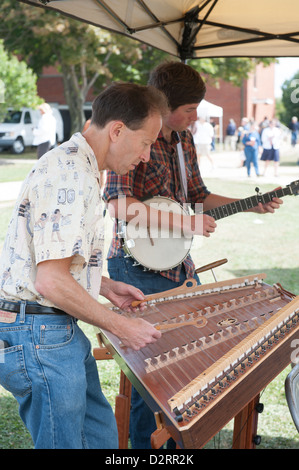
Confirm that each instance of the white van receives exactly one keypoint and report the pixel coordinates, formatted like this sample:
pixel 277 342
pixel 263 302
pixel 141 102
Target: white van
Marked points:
pixel 16 132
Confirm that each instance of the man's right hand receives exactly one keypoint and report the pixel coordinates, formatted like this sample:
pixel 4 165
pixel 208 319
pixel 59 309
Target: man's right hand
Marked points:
pixel 136 333
pixel 202 224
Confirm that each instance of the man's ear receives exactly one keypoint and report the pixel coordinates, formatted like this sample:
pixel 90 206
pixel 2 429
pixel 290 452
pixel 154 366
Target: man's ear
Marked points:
pixel 116 129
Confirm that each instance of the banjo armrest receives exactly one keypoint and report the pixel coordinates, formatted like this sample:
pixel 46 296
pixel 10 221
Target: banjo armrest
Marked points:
pixel 215 264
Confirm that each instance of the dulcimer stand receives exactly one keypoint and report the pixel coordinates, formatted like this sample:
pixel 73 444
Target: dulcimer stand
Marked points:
pixel 245 422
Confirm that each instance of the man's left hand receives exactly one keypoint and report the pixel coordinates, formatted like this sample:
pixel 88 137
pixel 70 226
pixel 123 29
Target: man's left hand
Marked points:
pixel 122 295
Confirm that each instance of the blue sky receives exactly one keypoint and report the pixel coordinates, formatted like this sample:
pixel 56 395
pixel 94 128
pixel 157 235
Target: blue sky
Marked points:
pixel 285 70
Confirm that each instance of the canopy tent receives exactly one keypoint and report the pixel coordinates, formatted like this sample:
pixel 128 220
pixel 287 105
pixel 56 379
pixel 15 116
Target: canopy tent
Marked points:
pixel 195 28
pixel 208 110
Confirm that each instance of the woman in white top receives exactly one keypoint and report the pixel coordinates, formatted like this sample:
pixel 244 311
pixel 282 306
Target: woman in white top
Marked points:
pixel 45 133
pixel 203 134
pixel 271 137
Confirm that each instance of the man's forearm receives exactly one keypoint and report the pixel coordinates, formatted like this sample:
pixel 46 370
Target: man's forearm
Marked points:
pixel 54 282
pixel 131 209
pixel 59 286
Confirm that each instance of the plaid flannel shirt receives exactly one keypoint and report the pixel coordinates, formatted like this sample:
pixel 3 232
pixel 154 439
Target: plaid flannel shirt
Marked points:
pixel 160 176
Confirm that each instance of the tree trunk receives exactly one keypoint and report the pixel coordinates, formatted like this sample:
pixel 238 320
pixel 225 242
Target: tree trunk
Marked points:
pixel 74 98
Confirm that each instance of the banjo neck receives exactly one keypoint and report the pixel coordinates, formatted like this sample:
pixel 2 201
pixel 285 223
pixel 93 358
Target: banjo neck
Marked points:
pixel 162 251
pixel 243 205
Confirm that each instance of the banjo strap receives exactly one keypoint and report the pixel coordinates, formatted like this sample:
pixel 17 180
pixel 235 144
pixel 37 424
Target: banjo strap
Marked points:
pixel 182 168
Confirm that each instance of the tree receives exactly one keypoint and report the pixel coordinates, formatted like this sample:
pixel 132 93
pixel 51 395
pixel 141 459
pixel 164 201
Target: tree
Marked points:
pixel 18 84
pixel 88 56
pixel 230 69
pixel 85 55
pixel 290 99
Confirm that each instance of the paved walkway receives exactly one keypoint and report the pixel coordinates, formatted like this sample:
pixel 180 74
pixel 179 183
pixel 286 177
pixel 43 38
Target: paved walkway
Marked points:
pixel 9 191
pixel 227 166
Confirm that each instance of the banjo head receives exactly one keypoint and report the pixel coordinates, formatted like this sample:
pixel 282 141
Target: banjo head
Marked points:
pixel 156 249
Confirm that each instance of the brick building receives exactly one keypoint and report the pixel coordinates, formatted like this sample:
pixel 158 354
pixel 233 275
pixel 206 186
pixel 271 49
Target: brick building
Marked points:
pixel 254 99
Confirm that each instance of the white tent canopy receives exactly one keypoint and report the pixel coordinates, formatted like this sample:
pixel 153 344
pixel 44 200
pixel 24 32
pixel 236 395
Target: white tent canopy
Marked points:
pixel 208 110
pixel 195 28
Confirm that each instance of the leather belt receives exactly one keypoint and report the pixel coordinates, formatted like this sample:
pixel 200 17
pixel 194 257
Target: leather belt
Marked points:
pixel 30 307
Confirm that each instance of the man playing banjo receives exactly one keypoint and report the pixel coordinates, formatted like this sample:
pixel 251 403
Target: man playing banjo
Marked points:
pixel 171 173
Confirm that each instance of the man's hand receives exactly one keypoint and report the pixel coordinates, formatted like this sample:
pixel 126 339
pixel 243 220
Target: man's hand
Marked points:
pixel 269 206
pixel 120 294
pixel 201 224
pixel 135 333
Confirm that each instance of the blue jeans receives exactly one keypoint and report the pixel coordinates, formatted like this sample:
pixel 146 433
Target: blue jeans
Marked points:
pixel 251 158
pixel 49 369
pixel 142 421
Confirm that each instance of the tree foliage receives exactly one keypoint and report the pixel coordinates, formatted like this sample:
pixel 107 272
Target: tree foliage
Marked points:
pixel 230 69
pixel 290 99
pixel 85 55
pixel 17 83
pixel 88 56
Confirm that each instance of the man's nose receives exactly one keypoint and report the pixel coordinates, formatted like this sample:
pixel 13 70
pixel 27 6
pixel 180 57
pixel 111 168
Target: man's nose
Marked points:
pixel 145 157
pixel 194 115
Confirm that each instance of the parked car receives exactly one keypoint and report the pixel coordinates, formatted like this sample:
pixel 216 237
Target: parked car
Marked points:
pixel 16 131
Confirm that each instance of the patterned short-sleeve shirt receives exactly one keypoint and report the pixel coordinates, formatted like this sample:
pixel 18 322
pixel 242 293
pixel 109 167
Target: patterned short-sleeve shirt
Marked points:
pixel 58 215
pixel 160 176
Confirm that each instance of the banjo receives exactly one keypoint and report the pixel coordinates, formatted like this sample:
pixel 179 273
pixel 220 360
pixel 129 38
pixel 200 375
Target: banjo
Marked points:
pixel 161 250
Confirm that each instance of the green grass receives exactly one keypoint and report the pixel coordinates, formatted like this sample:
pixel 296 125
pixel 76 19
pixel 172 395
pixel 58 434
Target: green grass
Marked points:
pixel 252 244
pixel 29 154
pixel 14 172
pixel 16 167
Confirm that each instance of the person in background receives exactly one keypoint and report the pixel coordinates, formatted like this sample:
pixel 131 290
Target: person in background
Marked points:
pixel 230 138
pixel 271 140
pixel 45 132
pixel 263 124
pixel 252 142
pixel 242 129
pixel 294 127
pixel 203 133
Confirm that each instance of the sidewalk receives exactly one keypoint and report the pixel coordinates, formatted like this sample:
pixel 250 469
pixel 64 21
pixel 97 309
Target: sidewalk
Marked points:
pixel 227 166
pixel 10 191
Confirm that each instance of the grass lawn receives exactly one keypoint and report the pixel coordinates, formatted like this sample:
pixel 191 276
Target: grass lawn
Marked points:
pixel 252 244
pixel 16 167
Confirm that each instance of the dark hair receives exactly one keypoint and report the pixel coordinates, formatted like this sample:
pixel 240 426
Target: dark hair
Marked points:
pixel 179 82
pixel 127 102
